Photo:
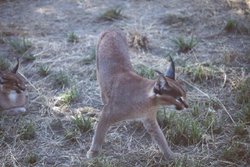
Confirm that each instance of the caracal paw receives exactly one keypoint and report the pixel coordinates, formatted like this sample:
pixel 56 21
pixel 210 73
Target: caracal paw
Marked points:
pixel 92 154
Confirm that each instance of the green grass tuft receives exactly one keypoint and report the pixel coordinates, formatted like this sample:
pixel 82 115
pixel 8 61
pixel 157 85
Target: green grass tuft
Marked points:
pixel 246 113
pixel 185 45
pixel 84 124
pixel 243 91
pixel 69 96
pixel 29 57
pixel 145 71
pixel 89 59
pixel 240 130
pixel 73 38
pixel 181 129
pixel 236 153
pixel 27 132
pixel 231 26
pixel 44 71
pixel 71 135
pixel 200 73
pixel 4 64
pixel 112 14
pixel 21 46
pixel 31 158
pixel 61 80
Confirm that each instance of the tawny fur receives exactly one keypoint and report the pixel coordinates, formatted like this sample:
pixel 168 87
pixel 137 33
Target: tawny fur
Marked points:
pixel 12 93
pixel 126 95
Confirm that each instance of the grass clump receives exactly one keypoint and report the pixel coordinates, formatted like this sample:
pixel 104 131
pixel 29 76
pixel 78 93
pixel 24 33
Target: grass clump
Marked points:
pixel 243 91
pixel 84 124
pixel 29 57
pixel 112 14
pixel 172 19
pixel 31 158
pixel 240 130
pixel 230 26
pixel 138 41
pixel 246 113
pixel 4 64
pixel 207 117
pixel 212 123
pixel 21 46
pixel 236 153
pixel 200 73
pixel 68 97
pixel 233 26
pixel 61 79
pixel 70 135
pixel 185 45
pixel 181 129
pixel 89 59
pixel 145 71
pixel 73 38
pixel 196 109
pixel 27 132
pixel 229 57
pixel 243 98
pixel 43 71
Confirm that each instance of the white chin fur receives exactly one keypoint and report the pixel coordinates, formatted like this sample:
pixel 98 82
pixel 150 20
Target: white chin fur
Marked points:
pixel 13 96
pixel 14 111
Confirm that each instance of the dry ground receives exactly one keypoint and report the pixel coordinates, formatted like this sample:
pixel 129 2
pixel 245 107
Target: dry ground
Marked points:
pixel 51 133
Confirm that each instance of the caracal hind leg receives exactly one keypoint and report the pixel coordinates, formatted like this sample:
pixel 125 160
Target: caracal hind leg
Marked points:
pixel 101 129
pixel 154 130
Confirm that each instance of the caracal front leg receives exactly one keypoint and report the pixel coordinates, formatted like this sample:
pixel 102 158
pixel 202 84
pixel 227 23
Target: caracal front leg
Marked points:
pixel 101 129
pixel 104 98
pixel 155 131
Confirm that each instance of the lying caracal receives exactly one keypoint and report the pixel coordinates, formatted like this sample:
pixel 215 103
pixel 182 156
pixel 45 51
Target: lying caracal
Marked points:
pixel 127 95
pixel 12 92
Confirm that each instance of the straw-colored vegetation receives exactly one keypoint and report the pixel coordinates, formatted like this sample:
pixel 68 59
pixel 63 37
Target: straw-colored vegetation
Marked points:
pixel 56 40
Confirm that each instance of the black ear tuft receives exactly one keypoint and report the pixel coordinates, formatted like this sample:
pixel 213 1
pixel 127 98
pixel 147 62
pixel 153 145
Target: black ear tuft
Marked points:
pixel 170 72
pixel 16 67
pixel 157 87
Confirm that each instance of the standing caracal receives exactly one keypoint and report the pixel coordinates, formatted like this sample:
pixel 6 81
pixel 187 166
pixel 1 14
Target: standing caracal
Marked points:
pixel 128 96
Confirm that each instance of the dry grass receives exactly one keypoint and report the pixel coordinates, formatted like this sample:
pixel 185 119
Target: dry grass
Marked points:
pixel 214 131
pixel 112 15
pixel 138 41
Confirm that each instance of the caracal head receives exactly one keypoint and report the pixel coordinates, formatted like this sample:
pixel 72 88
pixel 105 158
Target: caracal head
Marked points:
pixel 169 90
pixel 12 92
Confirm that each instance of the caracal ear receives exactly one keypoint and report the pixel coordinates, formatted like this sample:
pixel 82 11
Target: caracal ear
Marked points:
pixel 16 67
pixel 160 83
pixel 170 72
